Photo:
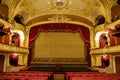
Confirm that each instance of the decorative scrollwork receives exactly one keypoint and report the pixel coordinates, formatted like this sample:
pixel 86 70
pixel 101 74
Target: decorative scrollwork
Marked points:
pixel 59 18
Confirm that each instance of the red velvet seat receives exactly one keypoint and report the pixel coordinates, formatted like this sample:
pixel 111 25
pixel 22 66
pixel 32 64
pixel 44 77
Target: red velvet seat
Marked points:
pixel 28 75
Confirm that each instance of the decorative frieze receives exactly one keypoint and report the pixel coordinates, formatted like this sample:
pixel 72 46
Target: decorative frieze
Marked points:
pixel 59 18
pixel 59 61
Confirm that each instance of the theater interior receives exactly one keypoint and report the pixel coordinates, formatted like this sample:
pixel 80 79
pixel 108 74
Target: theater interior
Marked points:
pixel 59 39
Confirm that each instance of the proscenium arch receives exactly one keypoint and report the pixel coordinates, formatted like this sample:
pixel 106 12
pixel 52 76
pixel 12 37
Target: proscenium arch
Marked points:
pixel 86 40
pixel 91 28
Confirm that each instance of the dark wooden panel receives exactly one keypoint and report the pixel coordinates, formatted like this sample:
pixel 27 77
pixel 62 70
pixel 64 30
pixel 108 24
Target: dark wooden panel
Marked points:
pixel 2 57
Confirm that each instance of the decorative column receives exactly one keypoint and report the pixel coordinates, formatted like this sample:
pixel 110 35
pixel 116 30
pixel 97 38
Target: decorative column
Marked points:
pixel 92 38
pixel 7 65
pixel 26 40
pixel 25 59
pixel 20 59
pixel 93 60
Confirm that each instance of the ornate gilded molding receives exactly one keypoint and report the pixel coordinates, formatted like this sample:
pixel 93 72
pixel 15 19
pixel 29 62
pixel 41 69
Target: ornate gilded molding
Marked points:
pixel 6 24
pixel 107 50
pixel 104 27
pixel 57 18
pixel 12 49
pixel 59 61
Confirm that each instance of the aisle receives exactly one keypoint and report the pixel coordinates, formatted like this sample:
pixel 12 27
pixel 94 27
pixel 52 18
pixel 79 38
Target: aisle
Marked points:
pixel 58 76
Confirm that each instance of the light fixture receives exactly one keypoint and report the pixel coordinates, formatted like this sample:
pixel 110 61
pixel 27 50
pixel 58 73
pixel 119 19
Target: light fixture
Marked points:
pixel 59 4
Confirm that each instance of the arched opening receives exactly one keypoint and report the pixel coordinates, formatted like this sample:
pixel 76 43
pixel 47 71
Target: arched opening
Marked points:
pixel 19 19
pixel 100 20
pixel 103 41
pixel 105 61
pixel 15 40
pixel 13 59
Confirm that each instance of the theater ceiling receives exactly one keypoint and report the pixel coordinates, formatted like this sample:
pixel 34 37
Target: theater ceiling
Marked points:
pixel 84 11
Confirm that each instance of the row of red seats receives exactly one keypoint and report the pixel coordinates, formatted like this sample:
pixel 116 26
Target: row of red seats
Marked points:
pixel 23 78
pixel 26 75
pixel 94 78
pixel 91 76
